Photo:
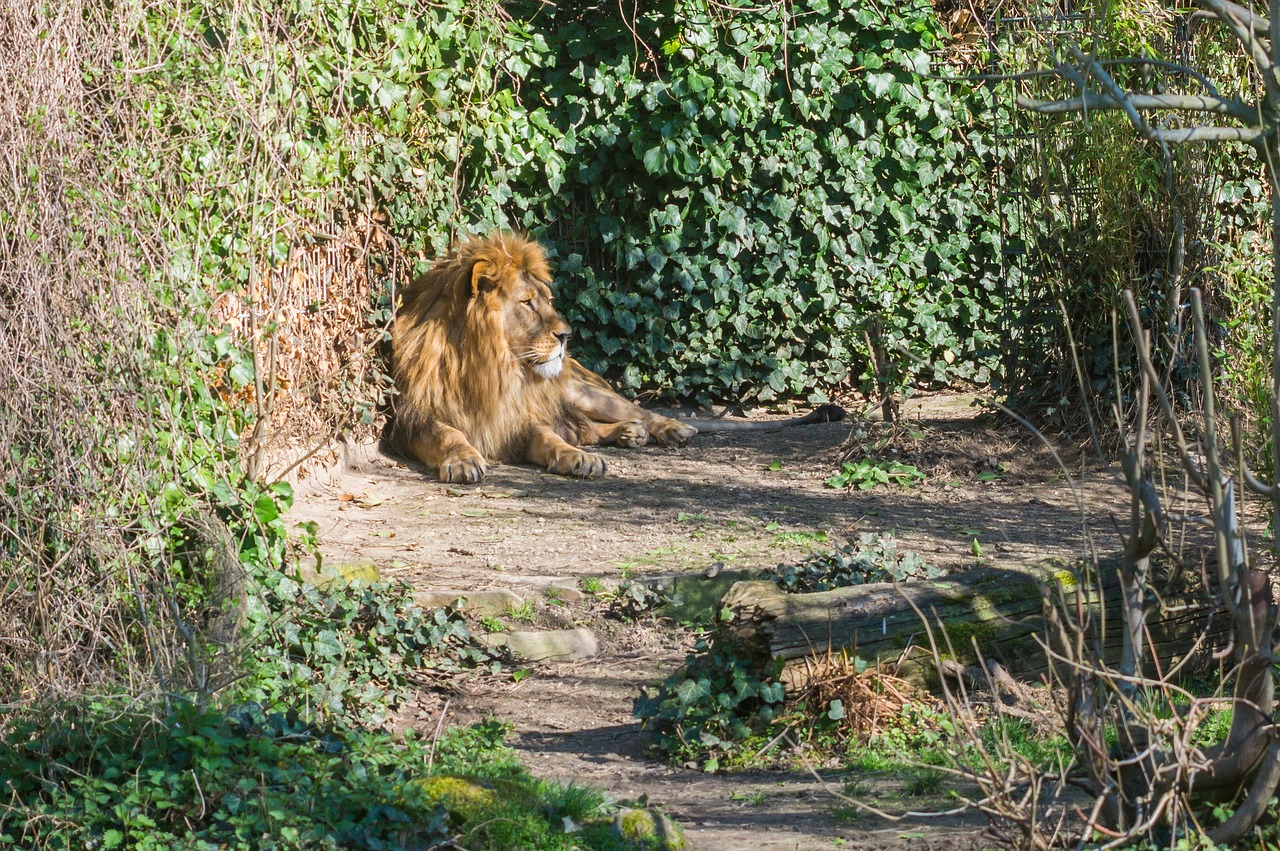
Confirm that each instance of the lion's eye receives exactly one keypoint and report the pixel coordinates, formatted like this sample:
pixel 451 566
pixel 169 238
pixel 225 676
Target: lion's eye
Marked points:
pixel 528 302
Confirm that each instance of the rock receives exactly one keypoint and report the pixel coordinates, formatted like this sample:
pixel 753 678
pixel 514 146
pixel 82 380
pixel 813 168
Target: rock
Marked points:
pixel 563 645
pixel 649 828
pixel 323 572
pixel 463 799
pixel 493 602
pixel 564 593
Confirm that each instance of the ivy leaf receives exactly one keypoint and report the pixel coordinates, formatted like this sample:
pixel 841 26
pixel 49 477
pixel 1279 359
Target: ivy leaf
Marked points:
pixel 655 159
pixel 265 510
pixel 879 83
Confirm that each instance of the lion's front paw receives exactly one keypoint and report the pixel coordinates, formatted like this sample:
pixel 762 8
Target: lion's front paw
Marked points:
pixel 672 433
pixel 463 468
pixel 584 465
pixel 632 434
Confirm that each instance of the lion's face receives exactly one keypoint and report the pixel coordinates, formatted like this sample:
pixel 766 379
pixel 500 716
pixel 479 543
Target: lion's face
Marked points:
pixel 536 335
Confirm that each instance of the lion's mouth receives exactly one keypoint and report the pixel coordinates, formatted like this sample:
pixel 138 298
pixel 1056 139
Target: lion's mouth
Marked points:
pixel 551 367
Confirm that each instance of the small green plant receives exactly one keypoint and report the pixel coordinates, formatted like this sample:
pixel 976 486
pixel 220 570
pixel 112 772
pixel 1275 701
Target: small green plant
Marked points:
pixel 632 599
pixel 921 780
pixel 525 612
pixel 492 624
pixel 705 711
pixel 593 585
pixel 873 557
pixel 867 474
pixel 754 798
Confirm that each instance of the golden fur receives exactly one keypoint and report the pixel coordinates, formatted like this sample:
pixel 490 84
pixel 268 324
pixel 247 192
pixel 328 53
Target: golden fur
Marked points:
pixel 482 368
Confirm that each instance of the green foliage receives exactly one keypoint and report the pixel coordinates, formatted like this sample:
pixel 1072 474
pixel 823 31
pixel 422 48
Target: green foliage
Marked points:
pixel 349 652
pixel 199 779
pixel 872 558
pixel 868 473
pixel 706 710
pixel 738 213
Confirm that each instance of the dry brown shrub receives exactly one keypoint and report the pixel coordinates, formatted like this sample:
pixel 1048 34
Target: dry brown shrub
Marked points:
pixel 873 699
pixel 86 602
pixel 310 327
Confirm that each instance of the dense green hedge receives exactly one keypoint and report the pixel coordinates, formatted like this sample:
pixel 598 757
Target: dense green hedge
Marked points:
pixel 742 201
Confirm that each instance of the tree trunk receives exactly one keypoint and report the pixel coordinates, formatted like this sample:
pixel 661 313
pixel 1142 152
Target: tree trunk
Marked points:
pixel 1002 610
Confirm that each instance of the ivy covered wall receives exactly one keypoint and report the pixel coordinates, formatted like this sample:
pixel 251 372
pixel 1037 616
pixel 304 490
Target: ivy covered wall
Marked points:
pixel 741 203
pixel 750 203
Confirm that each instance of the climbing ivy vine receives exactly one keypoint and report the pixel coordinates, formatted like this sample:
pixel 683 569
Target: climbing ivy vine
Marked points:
pixel 762 203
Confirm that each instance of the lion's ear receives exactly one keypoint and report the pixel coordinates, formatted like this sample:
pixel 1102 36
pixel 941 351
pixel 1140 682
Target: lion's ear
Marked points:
pixel 483 279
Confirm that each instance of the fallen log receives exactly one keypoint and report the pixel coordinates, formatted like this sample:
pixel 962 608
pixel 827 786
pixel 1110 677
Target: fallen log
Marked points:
pixel 1001 611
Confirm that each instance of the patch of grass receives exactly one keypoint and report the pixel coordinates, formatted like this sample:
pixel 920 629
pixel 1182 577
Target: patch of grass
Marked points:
pixel 525 612
pixel 591 585
pixel 921 781
pixel 754 798
pixel 800 538
pixel 656 556
pixel 1025 740
pixel 872 760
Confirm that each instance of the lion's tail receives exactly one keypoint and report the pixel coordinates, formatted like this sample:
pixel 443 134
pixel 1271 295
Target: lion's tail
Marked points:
pixel 820 414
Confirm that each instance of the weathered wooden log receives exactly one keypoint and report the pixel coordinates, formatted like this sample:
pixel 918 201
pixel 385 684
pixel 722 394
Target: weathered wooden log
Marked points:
pixel 1002 610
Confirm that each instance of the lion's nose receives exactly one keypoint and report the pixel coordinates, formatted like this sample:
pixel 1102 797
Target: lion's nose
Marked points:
pixel 563 337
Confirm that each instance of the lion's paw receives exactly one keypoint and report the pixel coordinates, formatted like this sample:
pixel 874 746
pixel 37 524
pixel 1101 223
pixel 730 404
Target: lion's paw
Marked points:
pixel 584 465
pixel 672 433
pixel 632 434
pixel 463 469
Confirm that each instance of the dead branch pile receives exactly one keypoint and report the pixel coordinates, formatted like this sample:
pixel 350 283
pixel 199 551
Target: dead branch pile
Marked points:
pixel 310 327
pixel 866 700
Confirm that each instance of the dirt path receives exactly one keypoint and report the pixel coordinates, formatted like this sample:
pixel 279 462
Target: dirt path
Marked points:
pixel 746 501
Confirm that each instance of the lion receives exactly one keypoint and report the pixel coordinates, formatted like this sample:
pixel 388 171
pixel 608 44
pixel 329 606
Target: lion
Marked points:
pixel 483 373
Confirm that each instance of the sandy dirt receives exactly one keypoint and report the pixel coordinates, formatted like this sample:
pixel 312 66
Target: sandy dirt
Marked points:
pixel 742 500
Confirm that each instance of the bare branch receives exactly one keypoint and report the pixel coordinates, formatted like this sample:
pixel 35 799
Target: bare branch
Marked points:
pixel 1144 359
pixel 1182 103
pixel 1112 88
pixel 1259 25
pixel 1241 22
pixel 1166 65
pixel 1251 480
pixel 1248 135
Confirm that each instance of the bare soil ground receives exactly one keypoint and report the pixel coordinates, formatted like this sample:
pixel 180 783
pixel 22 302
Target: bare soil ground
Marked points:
pixel 744 500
